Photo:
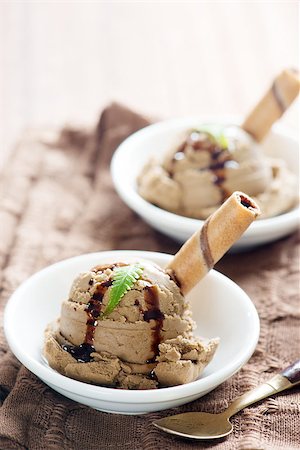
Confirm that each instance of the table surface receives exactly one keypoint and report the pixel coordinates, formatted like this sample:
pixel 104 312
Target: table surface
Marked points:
pixel 62 61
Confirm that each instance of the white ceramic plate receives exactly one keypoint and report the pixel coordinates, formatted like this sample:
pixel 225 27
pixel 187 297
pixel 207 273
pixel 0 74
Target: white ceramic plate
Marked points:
pixel 220 308
pixel 156 139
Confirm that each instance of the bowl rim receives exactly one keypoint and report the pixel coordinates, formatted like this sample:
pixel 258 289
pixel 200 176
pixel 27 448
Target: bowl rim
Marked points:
pixel 53 378
pixel 188 224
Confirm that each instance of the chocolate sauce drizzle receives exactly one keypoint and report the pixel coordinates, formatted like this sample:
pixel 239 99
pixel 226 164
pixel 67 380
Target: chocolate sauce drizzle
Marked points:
pixel 153 313
pixel 93 310
pixel 103 267
pixel 82 352
pixel 205 247
pixel 219 157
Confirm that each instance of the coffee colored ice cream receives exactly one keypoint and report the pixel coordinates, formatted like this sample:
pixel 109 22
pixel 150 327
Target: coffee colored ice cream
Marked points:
pixel 207 164
pixel 129 325
pixel 145 342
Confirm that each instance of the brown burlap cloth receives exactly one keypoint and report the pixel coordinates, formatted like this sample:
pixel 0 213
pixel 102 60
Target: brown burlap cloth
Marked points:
pixel 58 201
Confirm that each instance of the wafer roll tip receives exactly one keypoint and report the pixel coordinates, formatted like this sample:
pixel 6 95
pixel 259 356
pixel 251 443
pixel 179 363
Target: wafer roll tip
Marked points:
pixel 273 104
pixel 247 202
pixel 218 233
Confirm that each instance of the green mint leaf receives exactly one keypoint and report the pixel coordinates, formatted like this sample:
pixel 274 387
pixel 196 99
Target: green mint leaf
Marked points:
pixel 222 140
pixel 215 133
pixel 123 279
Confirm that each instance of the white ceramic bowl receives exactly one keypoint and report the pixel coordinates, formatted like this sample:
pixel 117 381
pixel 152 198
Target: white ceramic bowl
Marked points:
pixel 156 139
pixel 220 308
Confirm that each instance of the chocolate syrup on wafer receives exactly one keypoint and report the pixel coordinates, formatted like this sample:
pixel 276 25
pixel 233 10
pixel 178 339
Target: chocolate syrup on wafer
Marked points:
pixel 205 247
pixel 278 97
pixel 153 313
pixel 248 204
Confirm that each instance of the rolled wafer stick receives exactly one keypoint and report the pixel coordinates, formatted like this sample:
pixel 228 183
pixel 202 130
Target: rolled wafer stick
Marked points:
pixel 204 249
pixel 275 102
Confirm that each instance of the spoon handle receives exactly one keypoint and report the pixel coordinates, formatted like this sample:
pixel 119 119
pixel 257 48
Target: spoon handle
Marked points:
pixel 288 378
pixel 292 372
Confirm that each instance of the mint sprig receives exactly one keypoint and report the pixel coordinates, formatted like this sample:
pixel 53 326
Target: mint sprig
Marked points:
pixel 123 279
pixel 216 133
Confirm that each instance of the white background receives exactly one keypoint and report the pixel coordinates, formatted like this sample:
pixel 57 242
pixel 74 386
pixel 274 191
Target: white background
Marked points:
pixel 62 61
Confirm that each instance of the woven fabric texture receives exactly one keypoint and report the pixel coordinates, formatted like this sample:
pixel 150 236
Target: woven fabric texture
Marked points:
pixel 56 201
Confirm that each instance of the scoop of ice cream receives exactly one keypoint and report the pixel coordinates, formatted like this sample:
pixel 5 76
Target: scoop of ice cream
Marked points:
pixel 122 348
pixel 197 175
pixel 154 300
pixel 180 360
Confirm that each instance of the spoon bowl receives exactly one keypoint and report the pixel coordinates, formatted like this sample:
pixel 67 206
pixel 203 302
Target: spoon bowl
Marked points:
pixel 198 424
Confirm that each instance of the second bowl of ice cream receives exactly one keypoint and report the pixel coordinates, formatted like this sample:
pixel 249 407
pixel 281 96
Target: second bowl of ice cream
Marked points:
pixel 278 195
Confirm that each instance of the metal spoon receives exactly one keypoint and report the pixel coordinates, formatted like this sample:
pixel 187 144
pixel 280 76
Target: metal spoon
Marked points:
pixel 198 425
